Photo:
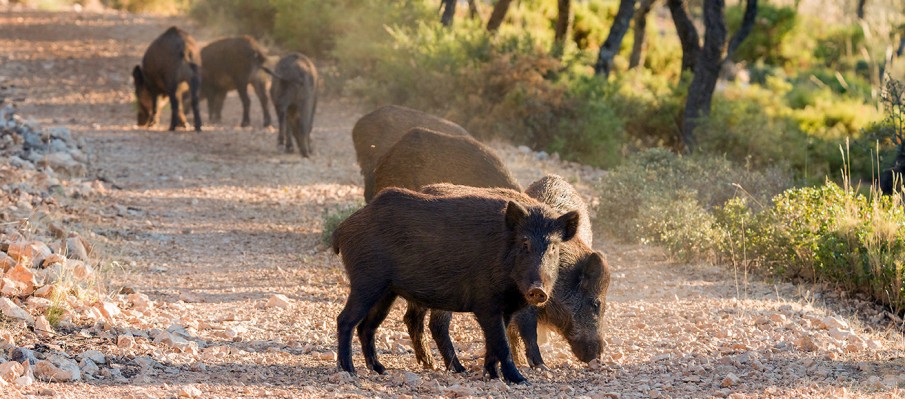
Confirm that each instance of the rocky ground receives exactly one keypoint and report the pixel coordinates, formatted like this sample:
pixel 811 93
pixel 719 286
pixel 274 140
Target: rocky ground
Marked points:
pixel 159 264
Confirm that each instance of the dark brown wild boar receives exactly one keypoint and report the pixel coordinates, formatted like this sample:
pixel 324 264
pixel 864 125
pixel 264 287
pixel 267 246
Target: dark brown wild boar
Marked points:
pixel 229 64
pixel 294 94
pixel 472 253
pixel 375 133
pixel 423 157
pixel 575 309
pixel 170 67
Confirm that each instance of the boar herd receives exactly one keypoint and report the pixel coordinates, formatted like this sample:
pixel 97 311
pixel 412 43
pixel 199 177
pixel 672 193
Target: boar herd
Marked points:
pixel 445 226
pixel 174 68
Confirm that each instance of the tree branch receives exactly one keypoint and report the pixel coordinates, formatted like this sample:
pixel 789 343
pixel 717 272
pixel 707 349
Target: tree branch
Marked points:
pixel 498 15
pixel 449 11
pixel 639 31
pixel 743 31
pixel 706 73
pixel 688 34
pixel 563 23
pixel 610 47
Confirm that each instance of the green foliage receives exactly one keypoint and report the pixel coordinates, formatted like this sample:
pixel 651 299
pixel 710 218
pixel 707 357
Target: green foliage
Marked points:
pixel 769 38
pixel 838 44
pixel 706 208
pixel 636 197
pixel 333 217
pixel 825 233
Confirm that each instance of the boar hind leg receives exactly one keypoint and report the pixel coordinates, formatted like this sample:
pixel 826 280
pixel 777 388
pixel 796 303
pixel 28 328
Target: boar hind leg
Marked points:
pixel 194 91
pixel 177 119
pixel 414 322
pixel 439 326
pixel 526 327
pixel 358 305
pixel 246 104
pixel 261 91
pixel 368 328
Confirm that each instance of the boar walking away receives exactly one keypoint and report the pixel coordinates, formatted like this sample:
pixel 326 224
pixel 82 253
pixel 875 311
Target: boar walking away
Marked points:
pixel 170 67
pixel 229 64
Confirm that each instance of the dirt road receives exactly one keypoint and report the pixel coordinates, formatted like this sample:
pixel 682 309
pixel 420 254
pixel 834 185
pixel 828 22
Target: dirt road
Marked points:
pixel 218 222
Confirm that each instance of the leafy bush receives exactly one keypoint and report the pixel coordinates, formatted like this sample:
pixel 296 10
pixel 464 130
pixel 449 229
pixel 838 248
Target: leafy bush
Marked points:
pixel 706 208
pixel 825 233
pixel 333 217
pixel 636 197
pixel 769 37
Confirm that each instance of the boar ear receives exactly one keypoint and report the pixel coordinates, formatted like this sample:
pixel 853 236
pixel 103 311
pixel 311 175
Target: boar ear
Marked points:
pixel 569 223
pixel 596 272
pixel 138 76
pixel 515 212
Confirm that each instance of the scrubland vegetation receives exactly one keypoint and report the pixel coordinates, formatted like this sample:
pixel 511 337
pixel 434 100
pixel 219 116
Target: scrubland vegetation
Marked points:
pixel 767 186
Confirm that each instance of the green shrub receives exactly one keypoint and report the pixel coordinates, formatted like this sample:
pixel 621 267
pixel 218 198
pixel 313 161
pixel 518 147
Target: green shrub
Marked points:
pixel 839 44
pixel 825 233
pixel 769 37
pixel 652 181
pixel 333 217
pixel 680 224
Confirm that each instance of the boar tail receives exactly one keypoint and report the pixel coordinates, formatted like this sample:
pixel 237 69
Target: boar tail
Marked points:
pixel 336 239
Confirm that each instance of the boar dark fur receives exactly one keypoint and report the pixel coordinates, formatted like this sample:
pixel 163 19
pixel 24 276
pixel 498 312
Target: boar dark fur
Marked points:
pixel 423 157
pixel 473 253
pixel 375 133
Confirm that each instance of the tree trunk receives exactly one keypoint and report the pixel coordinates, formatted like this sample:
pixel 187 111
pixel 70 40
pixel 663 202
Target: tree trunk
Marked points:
pixel 688 34
pixel 563 23
pixel 610 47
pixel 743 31
pixel 706 71
pixel 498 15
pixel 640 28
pixel 860 10
pixel 473 11
pixel 449 12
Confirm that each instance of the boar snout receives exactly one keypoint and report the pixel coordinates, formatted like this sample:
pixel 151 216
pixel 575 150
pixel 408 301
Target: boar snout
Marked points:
pixel 537 296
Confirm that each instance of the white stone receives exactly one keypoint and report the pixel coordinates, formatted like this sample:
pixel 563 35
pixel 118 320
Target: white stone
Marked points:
pixel 12 310
pixel 189 391
pixel 42 327
pixel 25 381
pixel 412 379
pixel 82 271
pixel 832 322
pixel 94 356
pixel 125 341
pixel 278 301
pixel 729 381
pixel 24 277
pixel 9 371
pixel 88 367
pixel 806 343
pixel 38 304
pixel 59 370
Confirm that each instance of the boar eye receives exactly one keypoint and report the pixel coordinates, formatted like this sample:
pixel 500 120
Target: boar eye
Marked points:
pixel 526 244
pixel 596 305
